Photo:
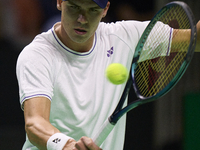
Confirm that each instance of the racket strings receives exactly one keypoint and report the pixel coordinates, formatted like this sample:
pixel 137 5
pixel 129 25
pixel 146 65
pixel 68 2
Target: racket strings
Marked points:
pixel 156 69
pixel 149 81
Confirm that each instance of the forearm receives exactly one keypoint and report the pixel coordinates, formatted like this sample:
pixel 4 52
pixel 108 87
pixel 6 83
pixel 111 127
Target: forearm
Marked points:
pixel 197 49
pixel 180 37
pixel 39 131
pixel 183 36
pixel 38 128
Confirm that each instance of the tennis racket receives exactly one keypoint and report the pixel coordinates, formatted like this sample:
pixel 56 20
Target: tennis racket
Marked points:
pixel 162 55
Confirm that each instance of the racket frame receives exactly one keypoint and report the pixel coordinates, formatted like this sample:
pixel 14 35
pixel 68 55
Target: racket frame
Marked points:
pixel 131 81
pixel 187 58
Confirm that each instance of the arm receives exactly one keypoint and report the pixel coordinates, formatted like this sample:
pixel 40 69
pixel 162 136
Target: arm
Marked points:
pixel 37 125
pixel 198 38
pixel 39 129
pixel 183 35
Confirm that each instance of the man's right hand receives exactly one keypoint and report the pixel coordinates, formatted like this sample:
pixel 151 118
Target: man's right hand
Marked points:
pixel 86 143
pixel 69 145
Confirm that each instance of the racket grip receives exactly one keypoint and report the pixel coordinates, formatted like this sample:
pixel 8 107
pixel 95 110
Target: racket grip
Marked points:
pixel 102 134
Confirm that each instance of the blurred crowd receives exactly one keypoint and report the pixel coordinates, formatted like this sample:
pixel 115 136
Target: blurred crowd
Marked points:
pixel 21 20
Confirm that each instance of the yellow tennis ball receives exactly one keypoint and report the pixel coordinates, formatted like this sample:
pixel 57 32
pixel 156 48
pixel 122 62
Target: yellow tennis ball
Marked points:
pixel 116 73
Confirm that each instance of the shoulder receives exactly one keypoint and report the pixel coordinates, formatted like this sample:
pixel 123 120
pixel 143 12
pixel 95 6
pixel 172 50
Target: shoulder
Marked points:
pixel 122 27
pixel 41 48
pixel 41 55
pixel 124 33
pixel 127 31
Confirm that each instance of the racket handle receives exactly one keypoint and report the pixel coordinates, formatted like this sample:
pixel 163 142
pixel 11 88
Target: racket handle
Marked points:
pixel 102 134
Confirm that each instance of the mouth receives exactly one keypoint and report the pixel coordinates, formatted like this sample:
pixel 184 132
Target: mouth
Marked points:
pixel 80 31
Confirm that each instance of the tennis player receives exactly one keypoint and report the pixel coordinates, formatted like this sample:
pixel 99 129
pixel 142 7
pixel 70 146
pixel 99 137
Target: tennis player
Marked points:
pixel 63 90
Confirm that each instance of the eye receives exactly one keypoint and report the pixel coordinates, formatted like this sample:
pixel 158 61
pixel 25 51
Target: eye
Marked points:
pixel 93 9
pixel 75 7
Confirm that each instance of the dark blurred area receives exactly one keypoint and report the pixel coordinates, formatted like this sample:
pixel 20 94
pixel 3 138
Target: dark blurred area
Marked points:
pixel 20 22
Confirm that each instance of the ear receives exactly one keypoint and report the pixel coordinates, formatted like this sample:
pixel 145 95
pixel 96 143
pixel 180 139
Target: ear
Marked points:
pixel 106 9
pixel 59 5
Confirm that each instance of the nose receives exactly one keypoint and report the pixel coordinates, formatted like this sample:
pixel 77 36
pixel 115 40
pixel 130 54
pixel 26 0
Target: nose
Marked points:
pixel 82 19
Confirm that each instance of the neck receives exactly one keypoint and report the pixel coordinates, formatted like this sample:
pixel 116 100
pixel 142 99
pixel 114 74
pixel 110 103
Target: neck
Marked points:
pixel 65 39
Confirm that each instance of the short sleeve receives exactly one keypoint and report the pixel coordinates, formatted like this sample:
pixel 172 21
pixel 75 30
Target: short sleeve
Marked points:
pixel 34 75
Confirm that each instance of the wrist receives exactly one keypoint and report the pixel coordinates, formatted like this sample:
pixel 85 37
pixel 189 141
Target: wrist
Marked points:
pixel 57 141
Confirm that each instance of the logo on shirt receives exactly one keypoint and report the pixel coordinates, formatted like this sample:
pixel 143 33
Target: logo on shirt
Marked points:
pixel 110 52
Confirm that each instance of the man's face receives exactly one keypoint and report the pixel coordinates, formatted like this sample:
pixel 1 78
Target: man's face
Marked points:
pixel 80 19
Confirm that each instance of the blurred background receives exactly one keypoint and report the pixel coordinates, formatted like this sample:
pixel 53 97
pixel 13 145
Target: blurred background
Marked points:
pixel 171 123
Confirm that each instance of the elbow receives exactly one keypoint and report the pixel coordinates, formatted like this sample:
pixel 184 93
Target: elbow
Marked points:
pixel 30 126
pixel 33 131
pixel 33 125
pixel 38 131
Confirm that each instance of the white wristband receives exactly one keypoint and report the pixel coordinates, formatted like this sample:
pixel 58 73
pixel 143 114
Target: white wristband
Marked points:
pixel 57 141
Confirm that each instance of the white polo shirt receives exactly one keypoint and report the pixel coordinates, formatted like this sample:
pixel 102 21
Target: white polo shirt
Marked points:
pixel 75 83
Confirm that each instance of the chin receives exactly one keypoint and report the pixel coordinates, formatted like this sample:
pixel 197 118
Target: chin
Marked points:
pixel 81 40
